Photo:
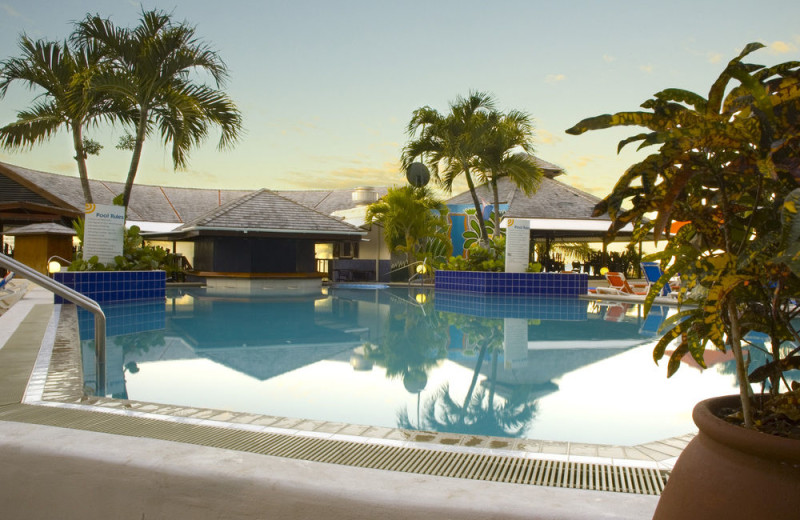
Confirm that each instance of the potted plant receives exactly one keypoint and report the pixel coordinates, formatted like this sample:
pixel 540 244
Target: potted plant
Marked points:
pixel 728 166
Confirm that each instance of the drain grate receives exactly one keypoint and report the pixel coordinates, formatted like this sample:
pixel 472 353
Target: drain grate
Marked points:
pixel 454 464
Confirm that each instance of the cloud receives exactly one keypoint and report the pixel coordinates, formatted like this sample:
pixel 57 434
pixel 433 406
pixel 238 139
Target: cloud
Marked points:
pixel 296 127
pixel 585 160
pixel 387 174
pixel 646 68
pixel 10 11
pixel 555 78
pixel 545 137
pixel 599 191
pixel 714 57
pixel 608 58
pixel 779 47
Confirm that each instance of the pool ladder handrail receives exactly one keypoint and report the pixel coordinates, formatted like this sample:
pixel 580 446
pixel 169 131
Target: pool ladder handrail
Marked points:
pixel 420 276
pixel 78 299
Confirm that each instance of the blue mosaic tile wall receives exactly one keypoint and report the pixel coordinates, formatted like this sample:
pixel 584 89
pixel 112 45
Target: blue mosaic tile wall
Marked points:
pixel 528 307
pixel 126 318
pixel 540 284
pixel 115 286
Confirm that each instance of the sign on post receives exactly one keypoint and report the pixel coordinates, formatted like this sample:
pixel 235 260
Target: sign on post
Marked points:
pixel 518 240
pixel 103 232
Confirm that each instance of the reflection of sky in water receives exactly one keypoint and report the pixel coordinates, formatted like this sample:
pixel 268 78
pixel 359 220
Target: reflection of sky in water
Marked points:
pixel 588 377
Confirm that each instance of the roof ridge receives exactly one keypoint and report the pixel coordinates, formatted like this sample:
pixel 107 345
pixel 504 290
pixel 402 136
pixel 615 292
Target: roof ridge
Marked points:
pixel 224 208
pixel 580 193
pixel 315 210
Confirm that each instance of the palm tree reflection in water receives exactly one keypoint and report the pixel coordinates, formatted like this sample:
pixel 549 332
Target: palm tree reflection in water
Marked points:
pixel 417 341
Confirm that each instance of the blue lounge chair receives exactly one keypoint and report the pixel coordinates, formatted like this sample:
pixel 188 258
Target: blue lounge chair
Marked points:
pixel 652 323
pixel 652 273
pixel 7 278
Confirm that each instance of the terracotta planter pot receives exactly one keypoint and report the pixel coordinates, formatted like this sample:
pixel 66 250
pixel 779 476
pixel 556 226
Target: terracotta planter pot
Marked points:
pixel 729 472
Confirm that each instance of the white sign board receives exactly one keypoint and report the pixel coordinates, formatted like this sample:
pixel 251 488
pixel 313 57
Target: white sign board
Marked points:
pixel 518 240
pixel 102 232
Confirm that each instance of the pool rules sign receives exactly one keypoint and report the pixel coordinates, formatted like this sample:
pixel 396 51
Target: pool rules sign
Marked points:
pixel 102 232
pixel 518 240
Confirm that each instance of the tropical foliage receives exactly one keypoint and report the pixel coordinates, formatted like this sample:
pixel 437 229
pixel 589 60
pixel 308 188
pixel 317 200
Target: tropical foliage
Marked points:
pixel 474 141
pixel 414 223
pixel 136 255
pixel 478 258
pixel 63 76
pixel 506 142
pixel 149 70
pixel 728 164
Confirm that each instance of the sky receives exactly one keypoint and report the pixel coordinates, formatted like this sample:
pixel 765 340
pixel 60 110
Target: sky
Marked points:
pixel 327 88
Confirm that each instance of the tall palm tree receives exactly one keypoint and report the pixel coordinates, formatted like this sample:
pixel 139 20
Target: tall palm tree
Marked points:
pixel 450 143
pixel 506 152
pixel 150 69
pixel 68 101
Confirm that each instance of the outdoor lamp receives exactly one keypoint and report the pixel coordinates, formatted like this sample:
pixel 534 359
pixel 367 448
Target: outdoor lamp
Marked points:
pixel 421 298
pixel 53 264
pixel 604 270
pixel 422 269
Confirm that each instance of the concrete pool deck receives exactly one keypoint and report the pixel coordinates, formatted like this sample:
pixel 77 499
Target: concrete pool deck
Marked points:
pixel 68 456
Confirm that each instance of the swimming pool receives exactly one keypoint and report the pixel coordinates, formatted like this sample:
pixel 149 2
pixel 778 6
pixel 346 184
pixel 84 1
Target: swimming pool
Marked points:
pixel 534 368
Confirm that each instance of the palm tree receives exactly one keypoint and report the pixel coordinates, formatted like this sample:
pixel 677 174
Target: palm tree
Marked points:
pixel 411 218
pixel 68 101
pixel 149 69
pixel 450 144
pixel 506 152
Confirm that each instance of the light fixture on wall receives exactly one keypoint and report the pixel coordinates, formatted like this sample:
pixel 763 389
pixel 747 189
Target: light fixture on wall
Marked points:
pixel 54 264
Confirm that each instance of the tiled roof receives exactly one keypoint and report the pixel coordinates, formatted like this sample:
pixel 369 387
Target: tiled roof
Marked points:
pixel 267 211
pixel 176 205
pixel 328 201
pixel 553 199
pixel 46 228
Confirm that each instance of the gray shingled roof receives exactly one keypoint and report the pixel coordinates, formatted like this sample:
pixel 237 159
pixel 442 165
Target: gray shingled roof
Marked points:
pixel 327 201
pixel 264 211
pixel 46 228
pixel 553 199
pixel 175 205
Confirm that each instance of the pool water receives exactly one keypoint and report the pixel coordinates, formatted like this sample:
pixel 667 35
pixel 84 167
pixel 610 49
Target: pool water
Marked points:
pixel 537 368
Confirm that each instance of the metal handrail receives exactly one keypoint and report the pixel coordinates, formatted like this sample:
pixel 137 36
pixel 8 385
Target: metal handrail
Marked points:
pixel 78 299
pixel 415 275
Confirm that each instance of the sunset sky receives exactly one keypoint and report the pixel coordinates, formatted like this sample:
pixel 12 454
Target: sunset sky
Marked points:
pixel 327 87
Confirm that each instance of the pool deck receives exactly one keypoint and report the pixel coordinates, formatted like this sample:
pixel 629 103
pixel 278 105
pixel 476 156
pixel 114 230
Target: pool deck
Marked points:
pixel 69 456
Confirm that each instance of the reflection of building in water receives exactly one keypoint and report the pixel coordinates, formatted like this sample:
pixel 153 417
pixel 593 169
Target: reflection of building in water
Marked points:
pixel 537 348
pixel 260 337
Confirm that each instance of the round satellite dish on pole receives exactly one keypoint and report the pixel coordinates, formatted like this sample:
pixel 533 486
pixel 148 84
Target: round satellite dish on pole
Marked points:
pixel 418 174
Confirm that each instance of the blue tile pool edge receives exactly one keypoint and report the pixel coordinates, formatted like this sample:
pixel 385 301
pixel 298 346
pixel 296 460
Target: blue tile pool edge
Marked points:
pixel 536 284
pixel 114 286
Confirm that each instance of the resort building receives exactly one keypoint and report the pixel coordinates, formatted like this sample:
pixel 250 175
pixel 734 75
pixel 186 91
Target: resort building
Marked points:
pixel 200 217
pixel 320 231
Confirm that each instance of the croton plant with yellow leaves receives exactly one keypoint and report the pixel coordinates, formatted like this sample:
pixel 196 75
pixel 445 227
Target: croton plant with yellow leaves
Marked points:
pixel 728 165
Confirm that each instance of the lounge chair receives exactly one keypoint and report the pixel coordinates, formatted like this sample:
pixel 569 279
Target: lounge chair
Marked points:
pixel 652 273
pixel 7 278
pixel 652 322
pixel 7 293
pixel 616 312
pixel 618 284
